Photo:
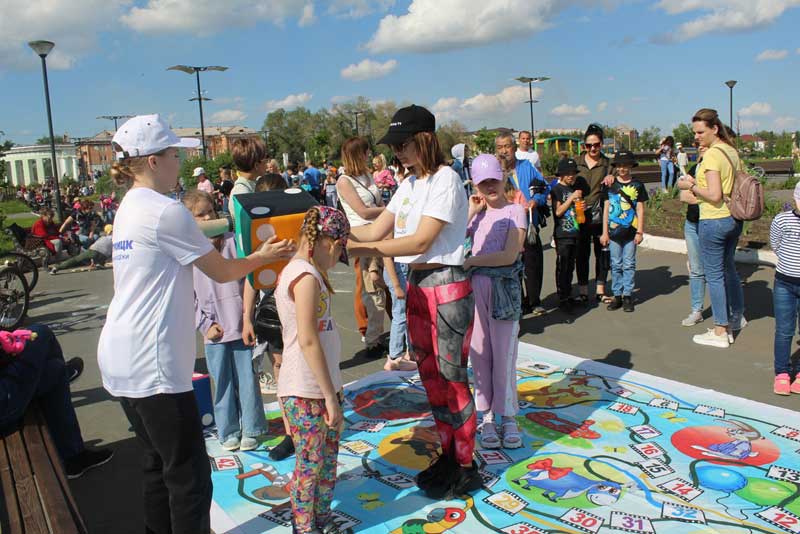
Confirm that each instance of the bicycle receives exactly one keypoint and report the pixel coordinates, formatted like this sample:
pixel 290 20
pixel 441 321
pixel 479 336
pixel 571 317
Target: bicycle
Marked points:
pixel 24 264
pixel 14 297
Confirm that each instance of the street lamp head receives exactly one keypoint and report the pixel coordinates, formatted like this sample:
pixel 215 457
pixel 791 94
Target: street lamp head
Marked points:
pixel 541 79
pixel 730 83
pixel 183 68
pixel 216 67
pixel 525 79
pixel 42 48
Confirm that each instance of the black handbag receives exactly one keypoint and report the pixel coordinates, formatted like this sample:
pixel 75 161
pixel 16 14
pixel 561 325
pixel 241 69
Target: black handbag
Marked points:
pixel 267 323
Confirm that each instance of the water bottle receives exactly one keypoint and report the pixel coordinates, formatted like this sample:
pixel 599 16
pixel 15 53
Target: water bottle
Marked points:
pixel 605 258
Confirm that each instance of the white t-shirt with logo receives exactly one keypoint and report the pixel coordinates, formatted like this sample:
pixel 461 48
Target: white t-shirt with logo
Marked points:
pixel 147 345
pixel 440 196
pixel 531 156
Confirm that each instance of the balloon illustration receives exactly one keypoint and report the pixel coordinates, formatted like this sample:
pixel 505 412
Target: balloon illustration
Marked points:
pixel 720 478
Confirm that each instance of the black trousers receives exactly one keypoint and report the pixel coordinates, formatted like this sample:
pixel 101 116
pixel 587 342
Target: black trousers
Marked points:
pixel 590 235
pixel 566 255
pixel 533 259
pixel 177 471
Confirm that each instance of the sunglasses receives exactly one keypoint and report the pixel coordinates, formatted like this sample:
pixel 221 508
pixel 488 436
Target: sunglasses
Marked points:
pixel 592 145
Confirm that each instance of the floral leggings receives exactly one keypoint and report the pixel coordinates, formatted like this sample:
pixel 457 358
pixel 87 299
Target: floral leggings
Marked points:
pixel 316 446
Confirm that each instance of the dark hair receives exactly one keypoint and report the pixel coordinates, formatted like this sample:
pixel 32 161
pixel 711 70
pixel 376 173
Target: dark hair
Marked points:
pixel 594 129
pixel 669 141
pixel 429 152
pixel 711 119
pixel 270 182
pixel 248 152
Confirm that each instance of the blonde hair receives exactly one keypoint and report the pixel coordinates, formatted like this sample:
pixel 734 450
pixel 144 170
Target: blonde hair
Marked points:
pixel 311 233
pixel 353 156
pixel 379 162
pixel 195 196
pixel 429 152
pixel 124 171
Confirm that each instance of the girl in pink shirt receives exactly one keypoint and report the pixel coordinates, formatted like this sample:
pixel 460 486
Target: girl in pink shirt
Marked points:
pixel 310 383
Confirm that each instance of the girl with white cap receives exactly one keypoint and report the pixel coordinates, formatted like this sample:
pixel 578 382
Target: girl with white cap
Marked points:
pixel 146 351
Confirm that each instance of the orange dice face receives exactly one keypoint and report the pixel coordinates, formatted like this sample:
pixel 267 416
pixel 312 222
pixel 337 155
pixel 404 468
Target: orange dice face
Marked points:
pixel 259 216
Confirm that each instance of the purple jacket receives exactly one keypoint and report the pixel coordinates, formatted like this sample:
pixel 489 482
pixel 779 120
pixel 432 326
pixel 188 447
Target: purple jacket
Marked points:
pixel 219 303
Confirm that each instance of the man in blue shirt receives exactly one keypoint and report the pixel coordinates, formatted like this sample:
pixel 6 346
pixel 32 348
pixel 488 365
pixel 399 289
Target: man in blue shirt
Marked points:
pixel 314 178
pixel 534 188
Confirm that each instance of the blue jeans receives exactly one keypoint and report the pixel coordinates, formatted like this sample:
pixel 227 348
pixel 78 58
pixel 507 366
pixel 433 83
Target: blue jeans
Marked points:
pixel 667 170
pixel 86 241
pixel 786 301
pixel 697 278
pixel 398 332
pixel 623 267
pixel 237 395
pixel 718 238
pixel 39 373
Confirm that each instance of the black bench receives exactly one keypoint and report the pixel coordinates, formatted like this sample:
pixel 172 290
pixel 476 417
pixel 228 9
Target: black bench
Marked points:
pixel 34 494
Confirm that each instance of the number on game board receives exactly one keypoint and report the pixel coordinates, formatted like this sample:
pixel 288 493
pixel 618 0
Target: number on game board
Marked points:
pixel 583 520
pixel 785 520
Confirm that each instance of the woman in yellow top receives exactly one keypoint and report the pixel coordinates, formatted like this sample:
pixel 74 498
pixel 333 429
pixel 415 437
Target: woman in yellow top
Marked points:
pixel 719 232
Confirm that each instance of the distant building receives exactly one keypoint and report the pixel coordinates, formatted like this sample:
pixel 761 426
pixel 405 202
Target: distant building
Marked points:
pixel 95 153
pixel 32 165
pixel 628 133
pixel 218 138
pixel 758 144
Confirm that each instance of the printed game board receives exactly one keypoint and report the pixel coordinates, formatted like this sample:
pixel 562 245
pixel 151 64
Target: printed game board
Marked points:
pixel 605 450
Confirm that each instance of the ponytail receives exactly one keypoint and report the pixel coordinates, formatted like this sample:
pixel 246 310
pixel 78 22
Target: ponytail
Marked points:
pixel 311 233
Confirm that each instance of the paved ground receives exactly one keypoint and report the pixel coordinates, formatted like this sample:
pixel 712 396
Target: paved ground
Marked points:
pixel 650 340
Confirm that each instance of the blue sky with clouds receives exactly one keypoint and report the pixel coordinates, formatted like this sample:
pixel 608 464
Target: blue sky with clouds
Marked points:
pixel 613 61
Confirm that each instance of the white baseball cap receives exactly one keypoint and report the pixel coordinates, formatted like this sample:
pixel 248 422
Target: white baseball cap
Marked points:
pixel 198 171
pixel 144 135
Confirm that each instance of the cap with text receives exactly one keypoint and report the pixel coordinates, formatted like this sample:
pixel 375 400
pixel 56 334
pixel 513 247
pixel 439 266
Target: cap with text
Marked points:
pixel 406 122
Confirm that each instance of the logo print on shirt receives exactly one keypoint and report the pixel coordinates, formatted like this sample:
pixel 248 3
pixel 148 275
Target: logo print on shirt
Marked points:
pixel 121 246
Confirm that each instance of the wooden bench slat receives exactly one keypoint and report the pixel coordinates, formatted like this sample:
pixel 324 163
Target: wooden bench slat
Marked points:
pixel 27 493
pixel 56 506
pixel 10 518
pixel 62 477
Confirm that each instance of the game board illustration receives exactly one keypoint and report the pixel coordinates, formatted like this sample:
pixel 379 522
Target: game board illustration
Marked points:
pixel 605 450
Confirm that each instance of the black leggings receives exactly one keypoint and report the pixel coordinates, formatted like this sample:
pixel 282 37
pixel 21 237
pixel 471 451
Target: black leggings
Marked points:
pixel 590 234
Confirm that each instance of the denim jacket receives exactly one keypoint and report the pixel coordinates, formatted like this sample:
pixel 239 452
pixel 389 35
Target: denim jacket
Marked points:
pixel 506 290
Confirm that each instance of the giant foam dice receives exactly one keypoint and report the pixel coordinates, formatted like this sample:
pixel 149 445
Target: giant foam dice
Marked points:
pixel 259 216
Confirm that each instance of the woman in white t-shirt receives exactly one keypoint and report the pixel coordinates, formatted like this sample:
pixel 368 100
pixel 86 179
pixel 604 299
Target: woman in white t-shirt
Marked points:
pixel 146 351
pixel 361 201
pixel 428 215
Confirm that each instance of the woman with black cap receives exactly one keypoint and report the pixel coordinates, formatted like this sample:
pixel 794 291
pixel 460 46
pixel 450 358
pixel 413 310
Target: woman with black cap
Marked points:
pixel 428 218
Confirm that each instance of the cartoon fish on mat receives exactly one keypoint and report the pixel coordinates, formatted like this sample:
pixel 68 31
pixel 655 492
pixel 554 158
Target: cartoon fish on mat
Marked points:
pixel 438 521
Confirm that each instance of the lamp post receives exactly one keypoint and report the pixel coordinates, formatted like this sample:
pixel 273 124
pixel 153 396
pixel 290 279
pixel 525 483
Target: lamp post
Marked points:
pixel 196 71
pixel 42 48
pixel 115 118
pixel 357 113
pixel 730 84
pixel 531 101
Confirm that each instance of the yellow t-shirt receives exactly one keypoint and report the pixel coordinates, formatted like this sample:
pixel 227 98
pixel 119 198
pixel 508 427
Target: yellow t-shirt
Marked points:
pixel 715 160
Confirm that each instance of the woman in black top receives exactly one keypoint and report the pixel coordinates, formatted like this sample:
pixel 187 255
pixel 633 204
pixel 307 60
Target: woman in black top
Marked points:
pixel 697 279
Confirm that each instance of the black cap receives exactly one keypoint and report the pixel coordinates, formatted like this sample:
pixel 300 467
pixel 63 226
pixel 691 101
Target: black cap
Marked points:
pixel 406 122
pixel 625 157
pixel 567 166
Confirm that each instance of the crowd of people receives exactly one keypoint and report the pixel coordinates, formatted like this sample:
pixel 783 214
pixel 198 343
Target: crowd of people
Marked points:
pixel 457 268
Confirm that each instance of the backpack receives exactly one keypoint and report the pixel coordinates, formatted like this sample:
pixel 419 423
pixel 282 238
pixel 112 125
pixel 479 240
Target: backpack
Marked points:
pixel 746 200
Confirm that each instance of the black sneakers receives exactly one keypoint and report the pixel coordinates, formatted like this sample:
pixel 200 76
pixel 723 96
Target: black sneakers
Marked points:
pixel 282 450
pixel 615 304
pixel 85 460
pixel 438 469
pixel 74 369
pixel 627 304
pixel 455 483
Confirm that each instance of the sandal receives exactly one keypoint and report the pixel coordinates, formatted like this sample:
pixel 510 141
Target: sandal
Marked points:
pixel 605 299
pixel 512 439
pixel 399 364
pixel 489 438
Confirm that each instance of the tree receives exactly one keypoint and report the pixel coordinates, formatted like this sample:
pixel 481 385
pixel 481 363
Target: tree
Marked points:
pixel 45 139
pixel 4 146
pixel 649 139
pixel 451 134
pixel 683 134
pixel 484 141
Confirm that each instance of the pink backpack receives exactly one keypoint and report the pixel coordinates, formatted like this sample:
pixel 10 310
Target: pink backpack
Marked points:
pixel 746 200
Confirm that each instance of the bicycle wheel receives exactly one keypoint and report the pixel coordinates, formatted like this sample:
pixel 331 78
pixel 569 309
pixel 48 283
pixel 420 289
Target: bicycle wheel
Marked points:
pixel 24 264
pixel 14 298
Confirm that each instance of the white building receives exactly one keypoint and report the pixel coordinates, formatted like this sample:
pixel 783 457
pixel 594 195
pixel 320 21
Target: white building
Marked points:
pixel 31 165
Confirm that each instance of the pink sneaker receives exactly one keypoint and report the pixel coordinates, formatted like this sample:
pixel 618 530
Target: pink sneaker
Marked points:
pixel 796 385
pixel 781 386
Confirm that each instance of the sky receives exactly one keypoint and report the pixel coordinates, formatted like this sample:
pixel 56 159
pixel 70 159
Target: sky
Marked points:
pixel 638 63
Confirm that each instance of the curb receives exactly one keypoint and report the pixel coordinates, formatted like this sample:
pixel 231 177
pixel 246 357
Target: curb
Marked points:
pixel 678 246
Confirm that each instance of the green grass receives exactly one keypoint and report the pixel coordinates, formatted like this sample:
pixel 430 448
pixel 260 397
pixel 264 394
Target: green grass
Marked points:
pixel 14 206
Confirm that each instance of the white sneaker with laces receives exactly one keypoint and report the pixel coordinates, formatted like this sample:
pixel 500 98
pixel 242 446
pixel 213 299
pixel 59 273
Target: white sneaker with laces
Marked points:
pixel 694 318
pixel 712 340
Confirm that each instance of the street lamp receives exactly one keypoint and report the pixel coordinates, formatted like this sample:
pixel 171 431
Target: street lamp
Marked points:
pixel 730 84
pixel 531 101
pixel 357 113
pixel 196 71
pixel 42 48
pixel 115 118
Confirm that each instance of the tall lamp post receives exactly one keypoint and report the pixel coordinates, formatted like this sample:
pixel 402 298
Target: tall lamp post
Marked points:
pixel 530 81
pixel 730 84
pixel 357 113
pixel 115 118
pixel 196 71
pixel 42 48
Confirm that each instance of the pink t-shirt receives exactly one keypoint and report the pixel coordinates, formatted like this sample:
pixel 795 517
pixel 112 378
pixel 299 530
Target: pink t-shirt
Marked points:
pixel 489 229
pixel 296 378
pixel 206 186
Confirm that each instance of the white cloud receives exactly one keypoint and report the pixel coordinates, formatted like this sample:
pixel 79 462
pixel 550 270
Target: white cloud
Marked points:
pixel 439 25
pixel 340 99
pixel 206 17
pixel 357 8
pixel 289 102
pixel 368 70
pixel 307 18
pixel 602 106
pixel 772 55
pixel 72 28
pixel 481 105
pixel 226 116
pixel 228 100
pixel 785 122
pixel 565 110
pixel 720 16
pixel 749 125
pixel 756 109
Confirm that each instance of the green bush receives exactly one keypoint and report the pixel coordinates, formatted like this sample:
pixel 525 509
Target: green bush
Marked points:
pixel 549 163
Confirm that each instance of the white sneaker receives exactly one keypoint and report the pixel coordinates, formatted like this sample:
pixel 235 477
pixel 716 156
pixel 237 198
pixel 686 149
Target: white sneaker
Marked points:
pixel 249 444
pixel 712 340
pixel 694 318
